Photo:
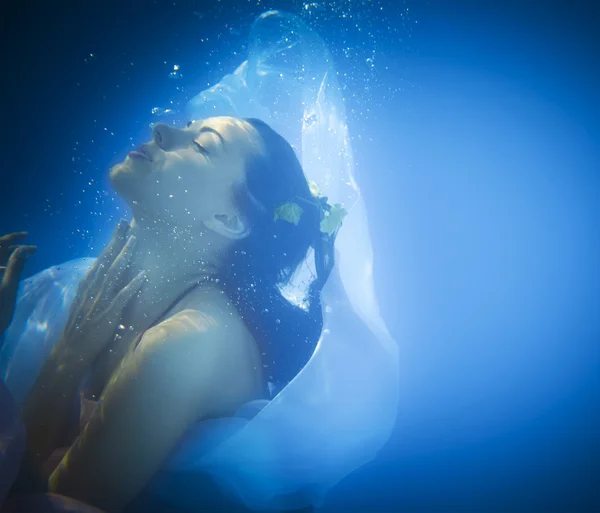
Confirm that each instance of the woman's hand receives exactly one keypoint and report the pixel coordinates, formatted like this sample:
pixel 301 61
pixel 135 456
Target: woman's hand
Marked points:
pixel 99 302
pixel 93 319
pixel 12 261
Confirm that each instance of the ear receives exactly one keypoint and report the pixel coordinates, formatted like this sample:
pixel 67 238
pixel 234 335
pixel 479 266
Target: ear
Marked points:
pixel 230 226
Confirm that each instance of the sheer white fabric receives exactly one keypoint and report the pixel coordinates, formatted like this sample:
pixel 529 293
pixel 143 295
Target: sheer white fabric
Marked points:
pixel 339 410
pixel 41 311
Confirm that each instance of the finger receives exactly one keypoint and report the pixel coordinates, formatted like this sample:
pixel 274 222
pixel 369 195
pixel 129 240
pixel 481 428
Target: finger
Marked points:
pixel 87 288
pixel 114 276
pixel 24 251
pixel 10 284
pixel 121 262
pixel 8 244
pixel 17 260
pixel 110 252
pixel 114 311
pixel 113 248
pixel 12 238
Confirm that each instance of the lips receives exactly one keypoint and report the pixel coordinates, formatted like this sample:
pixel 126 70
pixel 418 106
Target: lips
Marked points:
pixel 138 155
pixel 141 153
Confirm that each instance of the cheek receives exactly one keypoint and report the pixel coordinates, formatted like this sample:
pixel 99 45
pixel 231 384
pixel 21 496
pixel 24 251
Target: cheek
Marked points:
pixel 188 193
pixel 176 176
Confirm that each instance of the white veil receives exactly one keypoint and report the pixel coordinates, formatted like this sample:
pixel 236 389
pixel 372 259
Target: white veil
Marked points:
pixel 339 411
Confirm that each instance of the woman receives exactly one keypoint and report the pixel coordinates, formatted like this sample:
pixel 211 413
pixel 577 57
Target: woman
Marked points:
pixel 180 319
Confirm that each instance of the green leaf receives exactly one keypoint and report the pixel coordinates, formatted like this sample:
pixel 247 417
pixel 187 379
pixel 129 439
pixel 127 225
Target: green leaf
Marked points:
pixel 289 212
pixel 333 219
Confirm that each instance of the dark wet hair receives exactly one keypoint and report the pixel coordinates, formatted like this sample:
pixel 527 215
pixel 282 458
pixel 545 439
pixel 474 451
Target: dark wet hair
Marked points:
pixel 261 263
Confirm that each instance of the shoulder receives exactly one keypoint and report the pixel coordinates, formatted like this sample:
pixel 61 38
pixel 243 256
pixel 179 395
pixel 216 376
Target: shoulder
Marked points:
pixel 209 351
pixel 205 322
pixel 197 364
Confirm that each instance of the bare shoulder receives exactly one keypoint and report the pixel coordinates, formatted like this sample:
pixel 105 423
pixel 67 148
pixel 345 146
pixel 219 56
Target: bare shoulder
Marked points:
pixel 205 347
pixel 199 363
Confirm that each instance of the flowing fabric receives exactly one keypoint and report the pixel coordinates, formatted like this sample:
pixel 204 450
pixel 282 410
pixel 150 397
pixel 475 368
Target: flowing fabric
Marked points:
pixel 41 311
pixel 338 412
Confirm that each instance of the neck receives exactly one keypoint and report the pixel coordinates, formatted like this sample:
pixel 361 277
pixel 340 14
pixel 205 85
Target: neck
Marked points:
pixel 173 263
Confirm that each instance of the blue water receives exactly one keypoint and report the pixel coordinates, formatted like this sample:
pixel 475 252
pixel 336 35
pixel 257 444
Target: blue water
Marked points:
pixel 476 134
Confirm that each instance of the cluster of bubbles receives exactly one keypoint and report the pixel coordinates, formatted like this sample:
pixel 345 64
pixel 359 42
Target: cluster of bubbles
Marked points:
pixel 362 37
pixel 176 73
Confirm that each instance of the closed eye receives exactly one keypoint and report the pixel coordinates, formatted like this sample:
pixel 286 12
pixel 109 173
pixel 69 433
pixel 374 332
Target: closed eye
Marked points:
pixel 200 148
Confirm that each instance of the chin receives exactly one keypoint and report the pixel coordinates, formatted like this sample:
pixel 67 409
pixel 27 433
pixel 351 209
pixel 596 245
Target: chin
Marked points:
pixel 125 181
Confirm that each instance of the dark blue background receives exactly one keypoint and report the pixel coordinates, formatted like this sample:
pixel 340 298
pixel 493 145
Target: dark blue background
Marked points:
pixel 476 133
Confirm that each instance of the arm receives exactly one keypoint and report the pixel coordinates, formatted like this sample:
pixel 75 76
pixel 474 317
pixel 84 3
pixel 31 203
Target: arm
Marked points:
pixel 175 377
pixel 45 416
pixel 93 316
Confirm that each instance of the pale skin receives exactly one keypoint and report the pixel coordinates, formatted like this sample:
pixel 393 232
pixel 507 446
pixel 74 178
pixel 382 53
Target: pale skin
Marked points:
pixel 200 362
pixel 12 260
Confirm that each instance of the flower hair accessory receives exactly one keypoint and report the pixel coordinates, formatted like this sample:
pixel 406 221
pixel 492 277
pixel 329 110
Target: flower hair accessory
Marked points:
pixel 331 215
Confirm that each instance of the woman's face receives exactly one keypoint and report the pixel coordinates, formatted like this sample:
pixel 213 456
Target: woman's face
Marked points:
pixel 186 176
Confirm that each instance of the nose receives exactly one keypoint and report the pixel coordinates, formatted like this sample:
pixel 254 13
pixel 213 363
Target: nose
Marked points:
pixel 166 137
